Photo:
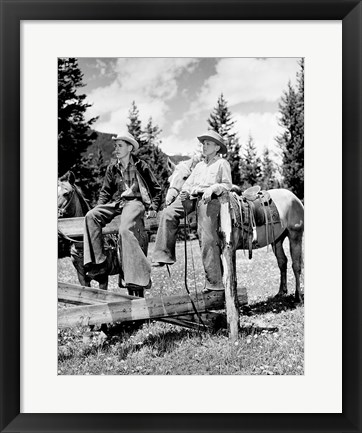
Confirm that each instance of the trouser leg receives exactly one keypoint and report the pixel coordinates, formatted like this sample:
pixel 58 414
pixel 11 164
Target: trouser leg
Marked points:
pixel 94 220
pixel 165 245
pixel 208 226
pixel 136 268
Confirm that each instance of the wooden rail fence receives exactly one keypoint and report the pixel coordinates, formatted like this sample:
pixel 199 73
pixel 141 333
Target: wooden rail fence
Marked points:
pixel 103 307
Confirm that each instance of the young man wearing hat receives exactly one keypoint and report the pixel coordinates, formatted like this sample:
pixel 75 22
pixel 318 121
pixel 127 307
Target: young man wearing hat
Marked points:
pixel 129 188
pixel 209 179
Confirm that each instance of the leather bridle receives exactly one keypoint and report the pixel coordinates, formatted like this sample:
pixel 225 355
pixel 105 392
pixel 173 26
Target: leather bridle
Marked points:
pixel 62 210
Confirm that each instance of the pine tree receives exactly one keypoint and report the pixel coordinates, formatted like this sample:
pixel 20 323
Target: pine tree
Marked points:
pixel 291 141
pixel 134 124
pixel 150 140
pixel 150 151
pixel 90 174
pixel 251 165
pixel 220 120
pixel 268 179
pixel 74 132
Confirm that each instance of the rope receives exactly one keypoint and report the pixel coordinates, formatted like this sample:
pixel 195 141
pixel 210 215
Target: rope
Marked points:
pixel 186 286
pixel 192 256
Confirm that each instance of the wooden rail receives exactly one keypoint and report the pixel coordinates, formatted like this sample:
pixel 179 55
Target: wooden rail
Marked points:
pixel 108 307
pixel 79 295
pixel 73 227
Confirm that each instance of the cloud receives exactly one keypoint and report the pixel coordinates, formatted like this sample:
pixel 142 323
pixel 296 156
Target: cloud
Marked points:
pixel 246 80
pixel 116 119
pixel 175 145
pixel 177 126
pixel 263 127
pixel 151 83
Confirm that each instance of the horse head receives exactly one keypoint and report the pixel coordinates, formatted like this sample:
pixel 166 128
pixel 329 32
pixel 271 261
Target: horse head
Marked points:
pixel 181 172
pixel 71 202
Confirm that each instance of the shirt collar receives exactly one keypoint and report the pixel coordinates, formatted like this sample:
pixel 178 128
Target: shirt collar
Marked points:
pixel 217 156
pixel 130 163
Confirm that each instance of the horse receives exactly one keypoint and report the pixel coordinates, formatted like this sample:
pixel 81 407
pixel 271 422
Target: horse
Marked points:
pixel 179 173
pixel 71 203
pixel 291 213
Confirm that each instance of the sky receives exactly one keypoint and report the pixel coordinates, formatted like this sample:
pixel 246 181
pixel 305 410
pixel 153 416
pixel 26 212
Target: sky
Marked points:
pixel 180 93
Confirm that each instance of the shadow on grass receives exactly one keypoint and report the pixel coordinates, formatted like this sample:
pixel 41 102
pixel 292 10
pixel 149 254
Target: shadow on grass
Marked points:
pixel 160 343
pixel 167 342
pixel 250 330
pixel 275 304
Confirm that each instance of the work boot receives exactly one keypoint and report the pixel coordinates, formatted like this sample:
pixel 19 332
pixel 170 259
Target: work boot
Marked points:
pixel 97 270
pixel 138 291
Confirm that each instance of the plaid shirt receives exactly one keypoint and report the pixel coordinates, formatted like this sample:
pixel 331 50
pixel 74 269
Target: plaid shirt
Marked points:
pixel 129 178
pixel 136 178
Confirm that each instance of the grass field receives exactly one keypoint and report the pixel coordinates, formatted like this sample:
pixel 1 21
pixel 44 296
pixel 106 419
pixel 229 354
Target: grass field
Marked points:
pixel 271 337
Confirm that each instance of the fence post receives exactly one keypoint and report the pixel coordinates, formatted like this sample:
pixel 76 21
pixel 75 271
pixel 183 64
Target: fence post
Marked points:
pixel 228 260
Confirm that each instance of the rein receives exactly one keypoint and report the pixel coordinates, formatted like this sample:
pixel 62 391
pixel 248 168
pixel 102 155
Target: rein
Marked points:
pixel 62 210
pixel 176 189
pixel 186 285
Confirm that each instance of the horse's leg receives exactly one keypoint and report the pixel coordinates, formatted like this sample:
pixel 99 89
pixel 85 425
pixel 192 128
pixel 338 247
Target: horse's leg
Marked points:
pixel 282 263
pixel 295 241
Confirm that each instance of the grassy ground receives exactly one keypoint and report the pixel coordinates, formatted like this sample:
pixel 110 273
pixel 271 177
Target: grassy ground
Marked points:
pixel 271 339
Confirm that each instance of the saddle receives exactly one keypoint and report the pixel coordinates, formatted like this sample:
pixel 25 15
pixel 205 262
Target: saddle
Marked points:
pixel 254 208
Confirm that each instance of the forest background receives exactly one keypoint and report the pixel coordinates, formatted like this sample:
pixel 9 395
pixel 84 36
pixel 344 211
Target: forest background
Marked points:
pixel 87 152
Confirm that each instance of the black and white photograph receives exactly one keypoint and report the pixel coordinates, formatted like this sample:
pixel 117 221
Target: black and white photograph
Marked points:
pixel 180 216
pixel 180 190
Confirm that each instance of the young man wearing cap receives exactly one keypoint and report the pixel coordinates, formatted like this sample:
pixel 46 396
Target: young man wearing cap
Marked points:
pixel 209 179
pixel 129 188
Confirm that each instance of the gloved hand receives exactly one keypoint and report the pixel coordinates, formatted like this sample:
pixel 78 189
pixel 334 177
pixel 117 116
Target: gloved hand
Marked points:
pixel 184 195
pixel 207 194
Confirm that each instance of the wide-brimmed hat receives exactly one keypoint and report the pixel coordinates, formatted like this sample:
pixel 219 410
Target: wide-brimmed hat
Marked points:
pixel 126 136
pixel 216 138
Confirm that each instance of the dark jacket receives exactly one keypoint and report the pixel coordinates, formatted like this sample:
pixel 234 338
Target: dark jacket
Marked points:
pixel 112 187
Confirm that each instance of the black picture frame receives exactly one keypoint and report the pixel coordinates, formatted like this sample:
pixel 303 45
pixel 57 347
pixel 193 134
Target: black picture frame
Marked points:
pixel 12 12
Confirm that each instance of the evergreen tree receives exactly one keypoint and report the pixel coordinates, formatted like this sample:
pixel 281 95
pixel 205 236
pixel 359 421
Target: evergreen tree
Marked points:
pixel 90 174
pixel 220 120
pixel 134 124
pixel 150 151
pixel 268 179
pixel 251 165
pixel 291 141
pixel 74 133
